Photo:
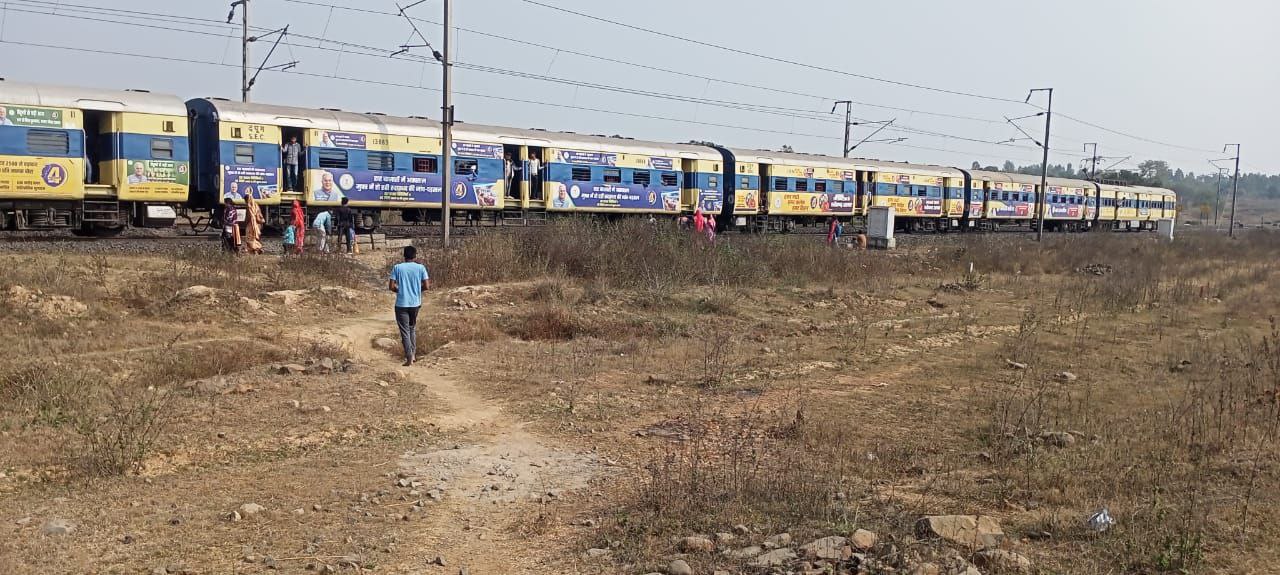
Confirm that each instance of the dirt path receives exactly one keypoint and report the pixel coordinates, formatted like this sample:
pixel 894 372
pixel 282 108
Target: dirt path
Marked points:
pixel 477 487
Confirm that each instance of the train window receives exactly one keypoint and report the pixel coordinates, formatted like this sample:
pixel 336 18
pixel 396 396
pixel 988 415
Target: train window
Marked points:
pixel 244 154
pixel 235 133
pixel 161 149
pixel 746 183
pixel 713 182
pixel 581 174
pixel 802 185
pixel 167 127
pixel 464 167
pixel 820 186
pixel 48 142
pixel 837 187
pixel 425 165
pixel 640 177
pixel 332 158
pixel 779 184
pixel 381 161
pixel 922 191
pixel 613 176
pixel 668 179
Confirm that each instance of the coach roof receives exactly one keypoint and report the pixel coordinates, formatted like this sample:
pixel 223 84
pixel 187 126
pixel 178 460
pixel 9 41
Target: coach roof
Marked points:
pixel 52 96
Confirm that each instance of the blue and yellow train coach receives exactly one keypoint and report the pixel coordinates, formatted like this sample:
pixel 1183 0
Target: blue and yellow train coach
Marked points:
pixel 94 161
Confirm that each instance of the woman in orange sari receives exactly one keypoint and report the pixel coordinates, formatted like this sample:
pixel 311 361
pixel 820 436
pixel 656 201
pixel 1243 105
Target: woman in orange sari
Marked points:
pixel 253 221
pixel 299 225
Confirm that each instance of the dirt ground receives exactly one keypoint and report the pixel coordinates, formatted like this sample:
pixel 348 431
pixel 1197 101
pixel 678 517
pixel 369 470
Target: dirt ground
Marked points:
pixel 552 414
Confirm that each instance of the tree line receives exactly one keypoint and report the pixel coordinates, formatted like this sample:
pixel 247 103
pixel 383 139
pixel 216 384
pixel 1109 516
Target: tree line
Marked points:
pixel 1194 190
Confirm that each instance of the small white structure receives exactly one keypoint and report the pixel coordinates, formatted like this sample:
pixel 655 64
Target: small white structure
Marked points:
pixel 1165 229
pixel 880 228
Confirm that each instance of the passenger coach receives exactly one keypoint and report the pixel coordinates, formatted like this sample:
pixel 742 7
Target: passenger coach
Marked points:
pixel 94 161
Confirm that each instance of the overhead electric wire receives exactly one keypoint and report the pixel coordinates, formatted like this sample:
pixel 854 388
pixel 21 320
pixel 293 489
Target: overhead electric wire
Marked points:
pixel 463 93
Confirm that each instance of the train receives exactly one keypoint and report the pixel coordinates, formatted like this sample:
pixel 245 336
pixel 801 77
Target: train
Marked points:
pixel 99 161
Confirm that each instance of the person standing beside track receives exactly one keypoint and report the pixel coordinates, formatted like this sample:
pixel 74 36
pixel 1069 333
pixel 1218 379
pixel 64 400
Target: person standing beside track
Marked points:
pixel 346 223
pixel 321 225
pixel 230 229
pixel 408 280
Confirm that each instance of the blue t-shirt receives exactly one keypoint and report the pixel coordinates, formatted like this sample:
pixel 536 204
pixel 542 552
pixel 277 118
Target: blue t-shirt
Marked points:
pixel 290 236
pixel 409 277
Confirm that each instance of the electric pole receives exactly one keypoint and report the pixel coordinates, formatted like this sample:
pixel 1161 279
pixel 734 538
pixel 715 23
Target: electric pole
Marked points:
pixel 1235 184
pixel 1217 202
pixel 446 125
pixel 1044 166
pixel 1093 160
pixel 848 122
pixel 244 45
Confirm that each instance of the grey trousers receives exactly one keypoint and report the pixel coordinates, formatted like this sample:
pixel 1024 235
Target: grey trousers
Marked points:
pixel 407 321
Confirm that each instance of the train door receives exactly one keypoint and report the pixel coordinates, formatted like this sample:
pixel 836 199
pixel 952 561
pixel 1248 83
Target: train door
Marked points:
pixel 535 170
pixel 95 149
pixel 512 180
pixel 291 179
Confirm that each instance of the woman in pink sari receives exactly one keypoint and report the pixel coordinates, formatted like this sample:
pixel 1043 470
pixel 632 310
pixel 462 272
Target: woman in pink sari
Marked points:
pixel 299 225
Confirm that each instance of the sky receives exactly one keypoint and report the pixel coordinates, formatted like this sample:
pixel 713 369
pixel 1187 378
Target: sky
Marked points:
pixel 1171 80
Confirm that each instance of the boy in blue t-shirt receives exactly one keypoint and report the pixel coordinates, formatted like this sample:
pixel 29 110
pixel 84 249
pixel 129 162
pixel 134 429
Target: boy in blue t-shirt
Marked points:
pixel 290 239
pixel 408 280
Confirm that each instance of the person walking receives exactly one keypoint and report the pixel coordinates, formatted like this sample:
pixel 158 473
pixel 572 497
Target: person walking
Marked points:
pixel 833 231
pixel 346 223
pixel 408 280
pixel 253 220
pixel 300 226
pixel 321 225
pixel 711 229
pixel 230 228
pixel 291 152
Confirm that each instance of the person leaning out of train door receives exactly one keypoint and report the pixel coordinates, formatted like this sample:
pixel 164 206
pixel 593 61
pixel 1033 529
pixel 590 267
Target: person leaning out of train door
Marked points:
pixel 509 175
pixel 291 151
pixel 535 176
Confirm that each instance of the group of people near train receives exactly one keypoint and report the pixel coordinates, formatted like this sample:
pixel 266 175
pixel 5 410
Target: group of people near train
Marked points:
pixel 249 240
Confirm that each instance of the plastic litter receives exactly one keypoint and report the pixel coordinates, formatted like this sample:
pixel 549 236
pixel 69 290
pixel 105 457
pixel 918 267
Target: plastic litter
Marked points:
pixel 1101 521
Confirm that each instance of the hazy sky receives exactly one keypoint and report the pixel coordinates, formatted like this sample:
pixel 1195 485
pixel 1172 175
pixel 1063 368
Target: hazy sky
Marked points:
pixel 1196 74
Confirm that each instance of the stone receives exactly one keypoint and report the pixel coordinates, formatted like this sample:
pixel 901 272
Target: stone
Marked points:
pixel 741 529
pixel 696 545
pixel 1014 364
pixel 287 297
pixel 1002 561
pixel 968 530
pixel 289 369
pixel 679 567
pixel 775 558
pixel 250 509
pixel 57 527
pixel 724 538
pixel 863 540
pixel 386 344
pixel 825 548
pixel 439 561
pixel 744 553
pixel 779 540
pixel 1058 438
pixel 295 404
pixel 1067 376
pixel 597 552
pixel 233 516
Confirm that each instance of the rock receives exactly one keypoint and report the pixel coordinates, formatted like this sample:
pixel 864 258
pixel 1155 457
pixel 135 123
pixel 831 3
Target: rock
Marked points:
pixel 324 365
pixel 696 545
pixel 1014 364
pixel 1058 438
pixel 825 548
pixel 233 516
pixel 967 530
pixel 741 529
pixel 194 295
pixel 1067 376
pixel 774 558
pixel 289 369
pixel 289 297
pixel 295 404
pixel 1002 561
pixel 926 569
pixel 776 541
pixel 724 538
pixel 679 567
pixel 744 553
pixel 386 344
pixel 597 552
pixel 250 509
pixel 863 540
pixel 439 561
pixel 57 527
